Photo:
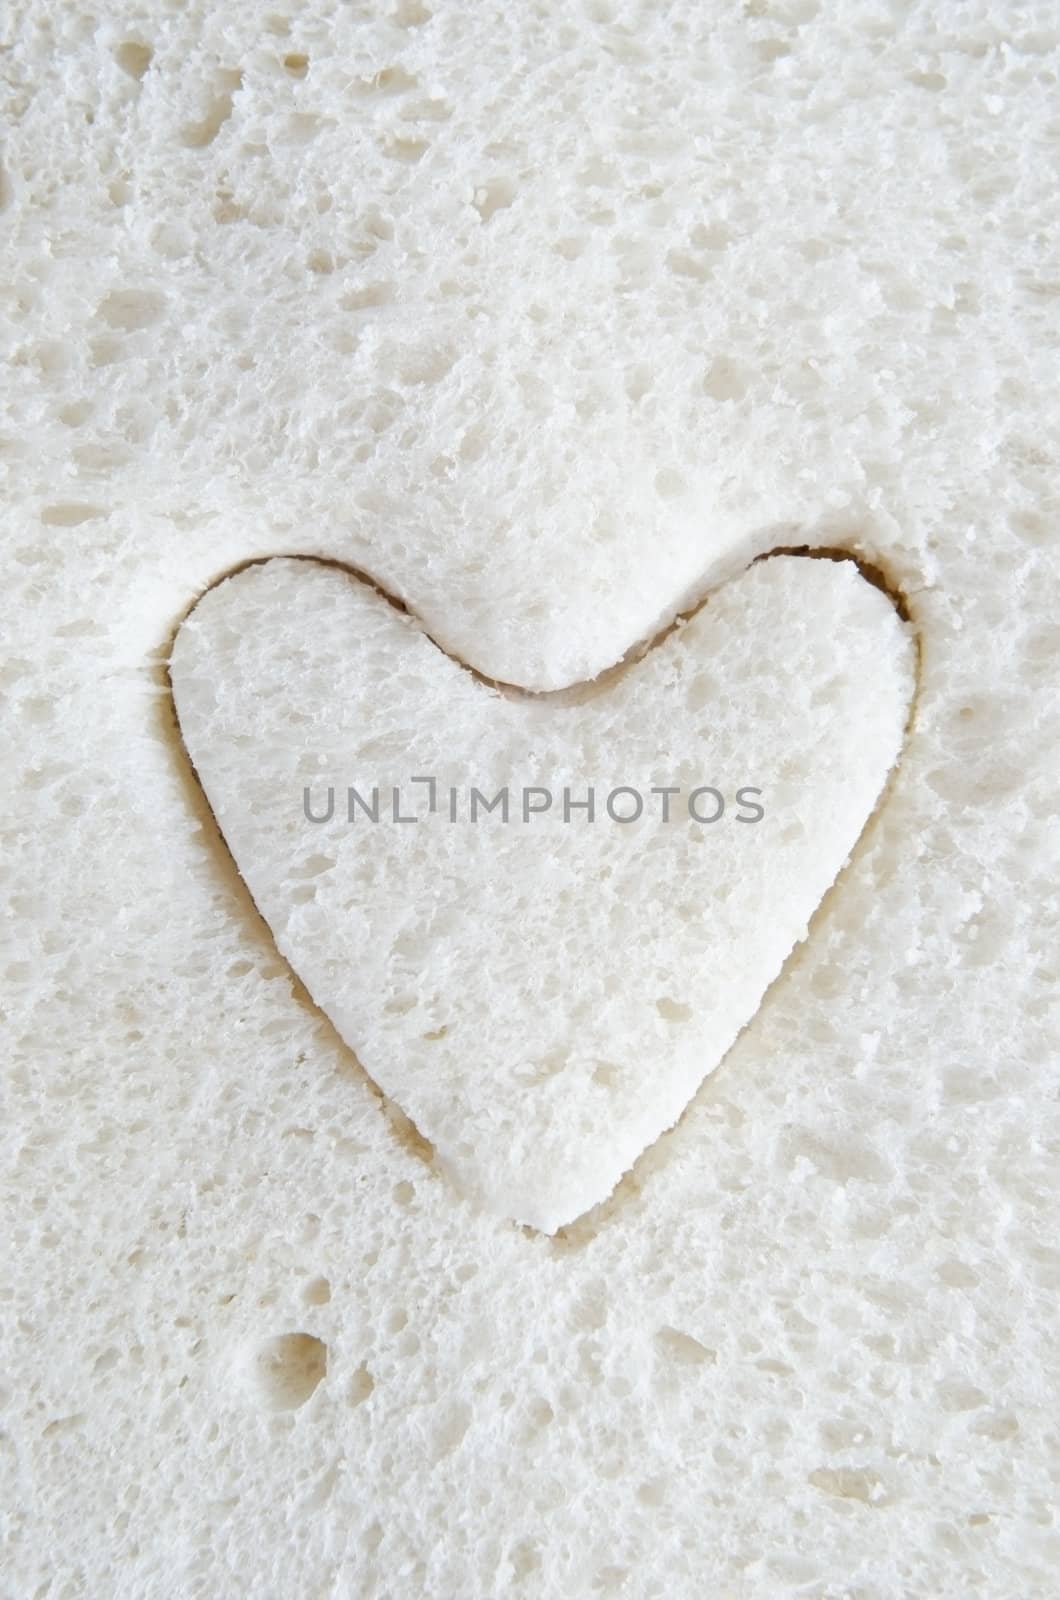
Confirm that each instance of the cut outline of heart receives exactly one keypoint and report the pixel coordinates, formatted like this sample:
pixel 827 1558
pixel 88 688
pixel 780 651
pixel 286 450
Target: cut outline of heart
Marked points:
pixel 581 1229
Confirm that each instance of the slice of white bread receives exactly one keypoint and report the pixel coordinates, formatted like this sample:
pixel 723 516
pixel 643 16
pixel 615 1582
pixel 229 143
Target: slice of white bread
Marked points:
pixel 548 317
pixel 541 921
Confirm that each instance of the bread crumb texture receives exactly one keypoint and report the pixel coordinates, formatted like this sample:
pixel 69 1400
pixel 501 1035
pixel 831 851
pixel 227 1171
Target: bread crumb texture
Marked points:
pixel 549 317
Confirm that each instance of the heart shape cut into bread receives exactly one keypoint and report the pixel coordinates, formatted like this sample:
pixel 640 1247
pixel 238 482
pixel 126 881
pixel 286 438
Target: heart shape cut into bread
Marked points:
pixel 541 995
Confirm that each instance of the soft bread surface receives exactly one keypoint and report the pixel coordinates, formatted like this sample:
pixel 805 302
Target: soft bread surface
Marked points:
pixel 548 317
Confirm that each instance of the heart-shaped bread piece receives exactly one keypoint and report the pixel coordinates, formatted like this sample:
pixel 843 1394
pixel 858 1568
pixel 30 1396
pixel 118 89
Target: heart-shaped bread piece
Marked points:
pixel 541 995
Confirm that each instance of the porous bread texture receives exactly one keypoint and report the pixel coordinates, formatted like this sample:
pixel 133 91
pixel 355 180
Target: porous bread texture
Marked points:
pixel 541 992
pixel 549 317
pixel 805 258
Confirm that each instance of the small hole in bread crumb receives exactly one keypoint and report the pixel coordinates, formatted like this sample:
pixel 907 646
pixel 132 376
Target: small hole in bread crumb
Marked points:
pixel 361 1385
pixel 296 64
pixel 130 310
pixel 495 195
pixel 134 57
pixel 408 150
pixel 411 14
pixel 69 515
pixel 197 135
pixel 673 1010
pixel 684 1349
pixel 286 1370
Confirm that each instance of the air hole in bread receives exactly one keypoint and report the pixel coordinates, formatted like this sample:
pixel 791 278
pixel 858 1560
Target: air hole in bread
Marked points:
pixel 850 1483
pixel 286 1370
pixel 411 14
pixel 683 1348
pixel 129 310
pixel 69 514
pixel 493 196
pixel 408 150
pixel 134 57
pixel 360 1387
pixel 673 1010
pixel 197 135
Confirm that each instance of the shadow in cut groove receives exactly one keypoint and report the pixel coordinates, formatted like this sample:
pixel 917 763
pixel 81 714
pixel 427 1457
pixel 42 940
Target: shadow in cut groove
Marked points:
pixel 406 1134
